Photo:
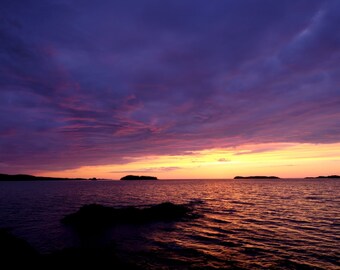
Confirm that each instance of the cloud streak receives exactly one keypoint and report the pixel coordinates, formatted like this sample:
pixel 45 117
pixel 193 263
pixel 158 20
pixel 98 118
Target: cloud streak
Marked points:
pixel 151 169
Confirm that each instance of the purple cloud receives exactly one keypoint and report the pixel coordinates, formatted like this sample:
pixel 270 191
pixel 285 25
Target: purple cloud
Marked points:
pixel 85 83
pixel 151 169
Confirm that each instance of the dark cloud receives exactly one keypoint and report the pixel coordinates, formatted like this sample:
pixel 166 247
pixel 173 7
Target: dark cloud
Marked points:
pixel 223 160
pixel 86 83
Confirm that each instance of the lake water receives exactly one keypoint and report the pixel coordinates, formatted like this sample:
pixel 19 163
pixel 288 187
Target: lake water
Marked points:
pixel 243 224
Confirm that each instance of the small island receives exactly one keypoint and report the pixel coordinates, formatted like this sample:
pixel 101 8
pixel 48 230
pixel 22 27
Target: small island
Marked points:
pixel 324 177
pixel 256 177
pixel 136 177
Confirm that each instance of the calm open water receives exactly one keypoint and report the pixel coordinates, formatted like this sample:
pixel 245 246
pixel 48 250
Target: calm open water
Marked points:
pixel 247 224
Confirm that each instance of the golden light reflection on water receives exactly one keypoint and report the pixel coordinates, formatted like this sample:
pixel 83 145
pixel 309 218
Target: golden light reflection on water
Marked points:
pixel 286 160
pixel 246 224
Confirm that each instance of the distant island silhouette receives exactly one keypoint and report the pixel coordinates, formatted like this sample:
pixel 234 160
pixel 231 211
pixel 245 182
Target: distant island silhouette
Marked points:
pixel 27 177
pixel 136 177
pixel 256 177
pixel 322 177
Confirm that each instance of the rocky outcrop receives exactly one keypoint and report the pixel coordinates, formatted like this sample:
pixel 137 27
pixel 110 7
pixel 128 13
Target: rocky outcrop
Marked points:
pixel 94 217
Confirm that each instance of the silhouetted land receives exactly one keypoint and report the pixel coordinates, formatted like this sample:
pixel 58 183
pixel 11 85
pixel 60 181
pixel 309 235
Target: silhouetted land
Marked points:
pixel 94 217
pixel 256 177
pixel 10 245
pixel 16 252
pixel 136 177
pixel 27 177
pixel 322 177
pixel 89 222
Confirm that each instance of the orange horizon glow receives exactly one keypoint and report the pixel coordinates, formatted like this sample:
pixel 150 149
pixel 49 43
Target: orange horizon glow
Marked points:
pixel 286 160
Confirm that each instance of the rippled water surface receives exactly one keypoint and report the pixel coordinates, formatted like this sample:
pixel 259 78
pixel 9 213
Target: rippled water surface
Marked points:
pixel 243 224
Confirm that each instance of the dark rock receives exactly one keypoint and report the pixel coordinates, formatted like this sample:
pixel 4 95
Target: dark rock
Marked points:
pixel 14 249
pixel 16 253
pixel 165 212
pixel 136 177
pixel 94 217
pixel 91 257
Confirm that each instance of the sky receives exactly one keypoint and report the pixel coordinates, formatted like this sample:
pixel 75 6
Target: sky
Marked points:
pixel 171 88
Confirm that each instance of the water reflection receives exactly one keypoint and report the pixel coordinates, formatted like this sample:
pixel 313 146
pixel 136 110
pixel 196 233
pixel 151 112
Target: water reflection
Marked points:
pixel 244 224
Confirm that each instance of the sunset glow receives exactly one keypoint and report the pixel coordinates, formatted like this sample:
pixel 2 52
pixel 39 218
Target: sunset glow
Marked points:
pixel 180 89
pixel 285 160
pixel 170 134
